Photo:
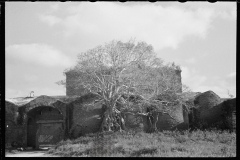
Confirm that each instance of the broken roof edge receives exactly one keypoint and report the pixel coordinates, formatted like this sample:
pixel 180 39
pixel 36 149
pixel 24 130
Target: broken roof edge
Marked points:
pixel 21 101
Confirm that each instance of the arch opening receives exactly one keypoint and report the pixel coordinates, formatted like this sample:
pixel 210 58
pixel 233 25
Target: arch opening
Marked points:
pixel 44 126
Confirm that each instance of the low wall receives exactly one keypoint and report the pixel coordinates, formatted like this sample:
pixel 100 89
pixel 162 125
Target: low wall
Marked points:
pixel 177 119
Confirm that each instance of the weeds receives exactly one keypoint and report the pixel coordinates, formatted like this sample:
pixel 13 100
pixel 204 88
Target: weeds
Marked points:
pixel 143 151
pixel 211 143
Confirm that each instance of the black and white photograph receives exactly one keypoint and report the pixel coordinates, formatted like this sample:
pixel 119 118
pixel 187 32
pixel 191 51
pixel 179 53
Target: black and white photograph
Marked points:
pixel 120 79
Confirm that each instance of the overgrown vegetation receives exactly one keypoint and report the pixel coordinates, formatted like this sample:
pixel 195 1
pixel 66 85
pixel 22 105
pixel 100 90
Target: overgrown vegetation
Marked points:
pixel 126 68
pixel 198 143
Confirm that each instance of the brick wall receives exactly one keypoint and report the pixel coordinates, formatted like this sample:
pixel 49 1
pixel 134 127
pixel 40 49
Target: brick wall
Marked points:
pixel 13 129
pixel 85 116
pixel 179 79
pixel 72 88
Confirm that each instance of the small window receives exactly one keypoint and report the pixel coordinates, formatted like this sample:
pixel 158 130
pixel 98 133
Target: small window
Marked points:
pixel 50 109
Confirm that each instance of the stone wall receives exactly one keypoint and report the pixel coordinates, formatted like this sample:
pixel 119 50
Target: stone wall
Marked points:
pixel 17 117
pixel 86 117
pixel 212 112
pixel 179 79
pixel 71 88
pixel 229 114
pixel 80 117
pixel 177 119
pixel 13 128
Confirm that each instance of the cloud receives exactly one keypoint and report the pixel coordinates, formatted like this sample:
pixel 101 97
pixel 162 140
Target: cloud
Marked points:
pixel 200 83
pixel 157 25
pixel 221 88
pixel 185 72
pixel 232 75
pixel 55 7
pixel 191 60
pixel 47 16
pixel 40 54
pixel 191 78
pixel 47 91
pixel 50 19
pixel 11 93
pixel 225 10
pixel 30 77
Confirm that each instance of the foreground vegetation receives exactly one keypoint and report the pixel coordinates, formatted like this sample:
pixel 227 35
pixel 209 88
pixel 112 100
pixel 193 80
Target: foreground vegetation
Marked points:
pixel 162 144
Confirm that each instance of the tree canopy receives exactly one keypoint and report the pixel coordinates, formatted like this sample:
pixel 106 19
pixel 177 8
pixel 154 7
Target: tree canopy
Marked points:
pixel 131 68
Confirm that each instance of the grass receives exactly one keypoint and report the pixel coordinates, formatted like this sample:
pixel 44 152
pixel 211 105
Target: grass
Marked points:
pixel 162 144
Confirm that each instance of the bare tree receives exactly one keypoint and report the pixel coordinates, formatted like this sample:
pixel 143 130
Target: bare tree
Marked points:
pixel 119 68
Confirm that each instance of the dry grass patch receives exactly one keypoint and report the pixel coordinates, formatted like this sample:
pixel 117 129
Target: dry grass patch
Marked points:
pixel 162 144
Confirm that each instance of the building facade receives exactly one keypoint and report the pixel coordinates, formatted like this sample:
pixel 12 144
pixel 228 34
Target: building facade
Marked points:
pixel 46 120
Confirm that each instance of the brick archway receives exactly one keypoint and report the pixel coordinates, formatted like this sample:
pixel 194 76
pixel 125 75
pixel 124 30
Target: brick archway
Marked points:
pixel 39 117
pixel 41 101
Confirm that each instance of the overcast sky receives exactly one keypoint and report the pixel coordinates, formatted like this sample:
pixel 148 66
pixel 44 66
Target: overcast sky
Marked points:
pixel 44 38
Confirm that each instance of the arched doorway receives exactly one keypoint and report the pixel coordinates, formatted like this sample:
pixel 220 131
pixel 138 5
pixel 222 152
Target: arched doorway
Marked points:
pixel 45 126
pixel 31 132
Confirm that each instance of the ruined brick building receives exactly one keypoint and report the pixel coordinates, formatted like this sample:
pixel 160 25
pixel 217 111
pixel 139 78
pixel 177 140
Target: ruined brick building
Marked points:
pixel 46 120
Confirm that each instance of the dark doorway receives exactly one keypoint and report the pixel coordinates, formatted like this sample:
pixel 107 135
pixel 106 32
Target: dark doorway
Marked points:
pixel 45 126
pixel 31 133
pixel 49 133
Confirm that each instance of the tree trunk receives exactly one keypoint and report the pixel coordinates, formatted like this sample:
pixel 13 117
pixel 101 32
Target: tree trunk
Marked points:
pixel 153 119
pixel 106 121
pixel 123 126
pixel 112 121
